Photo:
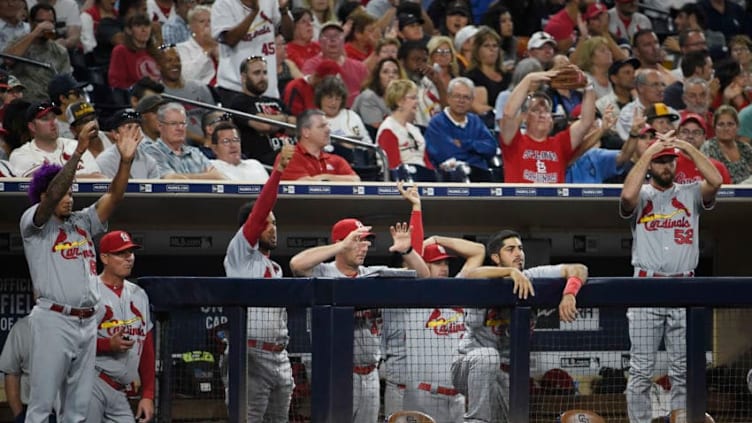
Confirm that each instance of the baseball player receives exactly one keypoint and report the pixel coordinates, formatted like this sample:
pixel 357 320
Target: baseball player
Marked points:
pixel 270 381
pixel 14 364
pixel 125 345
pixel 62 263
pixel 484 351
pixel 419 344
pixel 664 217
pixel 350 243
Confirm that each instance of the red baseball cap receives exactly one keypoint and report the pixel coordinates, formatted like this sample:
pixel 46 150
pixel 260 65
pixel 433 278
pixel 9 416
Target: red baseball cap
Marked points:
pixel 595 10
pixel 342 229
pixel 435 252
pixel 689 116
pixel 668 151
pixel 115 242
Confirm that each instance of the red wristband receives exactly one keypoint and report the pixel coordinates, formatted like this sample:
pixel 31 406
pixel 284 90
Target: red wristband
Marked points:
pixel 573 285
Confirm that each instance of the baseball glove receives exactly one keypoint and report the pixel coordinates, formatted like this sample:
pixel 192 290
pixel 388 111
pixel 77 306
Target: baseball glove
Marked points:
pixel 569 78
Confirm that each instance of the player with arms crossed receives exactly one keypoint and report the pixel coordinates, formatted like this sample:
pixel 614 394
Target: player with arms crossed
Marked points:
pixel 270 381
pixel 62 263
pixel 665 221
pixel 477 371
pixel 125 346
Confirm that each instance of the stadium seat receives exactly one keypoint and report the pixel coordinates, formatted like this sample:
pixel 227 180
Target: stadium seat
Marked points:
pixel 410 417
pixel 413 173
pixel 680 416
pixel 580 416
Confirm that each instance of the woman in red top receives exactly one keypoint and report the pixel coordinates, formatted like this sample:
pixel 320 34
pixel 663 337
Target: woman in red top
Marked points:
pixel 134 59
pixel 302 47
pixel 362 39
pixel 535 156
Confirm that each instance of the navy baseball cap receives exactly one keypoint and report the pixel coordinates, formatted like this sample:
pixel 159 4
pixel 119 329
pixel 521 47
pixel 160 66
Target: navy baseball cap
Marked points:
pixel 39 109
pixel 618 64
pixel 62 85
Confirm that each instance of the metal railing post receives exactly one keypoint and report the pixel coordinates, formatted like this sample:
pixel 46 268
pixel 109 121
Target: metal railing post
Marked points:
pixel 164 349
pixel 696 383
pixel 236 395
pixel 332 340
pixel 519 366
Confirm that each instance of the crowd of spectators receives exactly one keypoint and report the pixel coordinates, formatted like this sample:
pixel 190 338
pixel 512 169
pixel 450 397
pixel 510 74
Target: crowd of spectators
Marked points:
pixel 450 90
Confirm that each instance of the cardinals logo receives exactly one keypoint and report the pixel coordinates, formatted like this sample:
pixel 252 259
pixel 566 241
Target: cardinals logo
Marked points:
pixel 129 327
pixel 497 320
pixel 676 219
pixel 71 250
pixel 443 326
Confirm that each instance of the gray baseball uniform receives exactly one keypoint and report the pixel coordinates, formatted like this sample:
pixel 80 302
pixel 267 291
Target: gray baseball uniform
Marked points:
pixel 476 372
pixel 432 338
pixel 14 359
pixel 366 350
pixel 127 309
pixel 63 268
pixel 394 367
pixel 269 380
pixel 665 231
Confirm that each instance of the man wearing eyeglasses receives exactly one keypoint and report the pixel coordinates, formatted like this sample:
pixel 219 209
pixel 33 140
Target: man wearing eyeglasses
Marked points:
pixel 260 140
pixel 460 134
pixel 226 146
pixel 247 28
pixel 692 129
pixel 650 86
pixel 126 126
pixel 175 158
pixel 39 45
pixel 125 346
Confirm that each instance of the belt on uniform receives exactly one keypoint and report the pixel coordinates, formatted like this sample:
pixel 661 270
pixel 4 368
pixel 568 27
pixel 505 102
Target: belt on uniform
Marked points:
pixel 364 370
pixel 81 313
pixel 438 389
pixel 110 381
pixel 266 346
pixel 642 273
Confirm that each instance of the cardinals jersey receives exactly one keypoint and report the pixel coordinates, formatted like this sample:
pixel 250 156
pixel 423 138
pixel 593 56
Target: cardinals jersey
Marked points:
pixel 489 327
pixel 128 311
pixel 61 256
pixel 267 324
pixel 665 228
pixel 432 337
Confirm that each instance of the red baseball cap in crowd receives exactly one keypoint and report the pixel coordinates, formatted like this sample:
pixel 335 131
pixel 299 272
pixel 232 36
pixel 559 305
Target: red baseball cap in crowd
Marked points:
pixel 115 242
pixel 595 10
pixel 342 229
pixel 434 252
pixel 647 128
pixel 689 116
pixel 668 151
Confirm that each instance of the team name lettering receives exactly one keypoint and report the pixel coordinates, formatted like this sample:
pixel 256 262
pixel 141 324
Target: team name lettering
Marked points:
pixel 654 225
pixel 550 156
pixel 257 33
pixel 549 178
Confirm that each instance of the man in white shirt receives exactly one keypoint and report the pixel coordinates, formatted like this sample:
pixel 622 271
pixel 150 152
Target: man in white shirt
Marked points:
pixel 11 24
pixel 246 28
pixel 47 147
pixel 226 146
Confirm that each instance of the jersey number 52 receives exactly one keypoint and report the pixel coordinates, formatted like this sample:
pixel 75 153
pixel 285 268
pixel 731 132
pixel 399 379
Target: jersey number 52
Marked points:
pixel 684 236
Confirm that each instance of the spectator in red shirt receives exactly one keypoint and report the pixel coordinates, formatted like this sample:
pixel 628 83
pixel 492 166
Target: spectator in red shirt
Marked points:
pixel 299 93
pixel 310 162
pixel 134 59
pixel 536 157
pixel 362 39
pixel 562 25
pixel 302 47
pixel 693 129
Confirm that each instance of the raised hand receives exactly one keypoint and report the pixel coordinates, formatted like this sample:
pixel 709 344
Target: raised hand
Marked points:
pixel 285 154
pixel 355 237
pixel 128 141
pixel 400 237
pixel 410 194
pixel 638 120
pixel 88 132
pixel 609 117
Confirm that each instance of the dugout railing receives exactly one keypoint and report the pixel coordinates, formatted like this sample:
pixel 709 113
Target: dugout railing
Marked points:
pixel 332 302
